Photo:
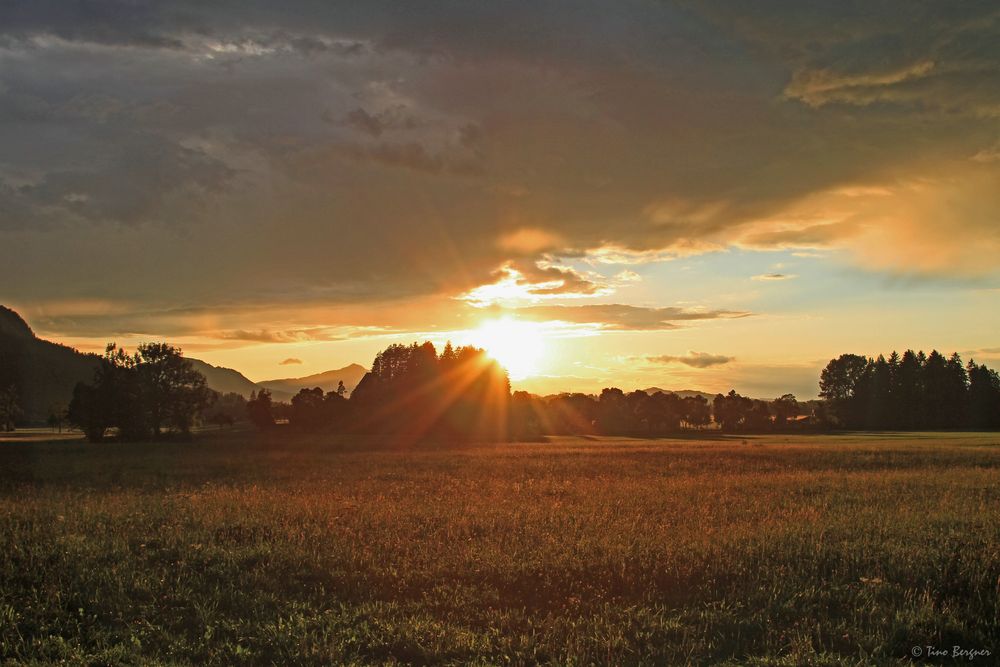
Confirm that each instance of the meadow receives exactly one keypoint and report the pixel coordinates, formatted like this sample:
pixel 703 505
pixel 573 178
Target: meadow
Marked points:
pixel 236 549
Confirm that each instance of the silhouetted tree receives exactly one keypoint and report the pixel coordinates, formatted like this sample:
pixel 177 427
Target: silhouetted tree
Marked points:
pixel 91 410
pixel 955 393
pixel 875 396
pixel 984 396
pixel 784 409
pixel 112 401
pixel 259 409
pixel 311 409
pixel 282 412
pixel 893 416
pixel 472 395
pixel 174 394
pixel 10 411
pixel 838 384
pixel 411 391
pixel 613 413
pixel 730 411
pixel 140 394
pixel 227 409
pixel 641 415
pixel 758 417
pixel 526 416
pixel 570 414
pixel 697 413
pixel 666 412
pixel 909 387
pixel 336 410
pixel 933 399
pixel 307 409
pixel 911 391
pixel 121 392
pixel 821 415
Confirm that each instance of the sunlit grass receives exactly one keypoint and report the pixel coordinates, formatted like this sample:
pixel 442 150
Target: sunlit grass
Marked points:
pixel 778 551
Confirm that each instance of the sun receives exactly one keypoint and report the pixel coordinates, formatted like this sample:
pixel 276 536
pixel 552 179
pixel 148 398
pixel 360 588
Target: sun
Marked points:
pixel 518 346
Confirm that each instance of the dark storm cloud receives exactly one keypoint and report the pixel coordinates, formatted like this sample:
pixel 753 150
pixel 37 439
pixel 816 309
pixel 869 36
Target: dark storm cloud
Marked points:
pixel 121 23
pixel 243 152
pixel 153 173
pixel 923 54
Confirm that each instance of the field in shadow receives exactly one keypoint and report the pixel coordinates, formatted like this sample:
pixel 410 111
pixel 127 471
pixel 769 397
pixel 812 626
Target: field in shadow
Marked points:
pixel 237 549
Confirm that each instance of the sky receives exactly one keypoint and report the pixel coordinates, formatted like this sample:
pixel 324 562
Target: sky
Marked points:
pixel 685 195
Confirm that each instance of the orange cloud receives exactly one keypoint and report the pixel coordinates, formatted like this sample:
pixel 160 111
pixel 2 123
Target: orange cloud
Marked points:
pixel 534 281
pixel 615 316
pixel 528 240
pixel 914 224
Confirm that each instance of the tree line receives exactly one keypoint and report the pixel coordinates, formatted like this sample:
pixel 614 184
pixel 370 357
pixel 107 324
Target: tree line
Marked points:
pixel 643 414
pixel 910 392
pixel 414 392
pixel 462 393
pixel 410 392
pixel 141 395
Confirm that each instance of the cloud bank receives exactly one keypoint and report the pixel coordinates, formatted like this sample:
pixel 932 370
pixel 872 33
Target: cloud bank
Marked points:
pixel 185 154
pixel 624 317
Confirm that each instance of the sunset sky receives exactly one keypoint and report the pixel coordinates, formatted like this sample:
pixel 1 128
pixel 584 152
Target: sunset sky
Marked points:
pixel 684 195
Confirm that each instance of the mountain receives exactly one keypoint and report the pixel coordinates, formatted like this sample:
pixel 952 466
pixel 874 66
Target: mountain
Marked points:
pixel 44 373
pixel 13 326
pixel 683 393
pixel 228 381
pixel 327 381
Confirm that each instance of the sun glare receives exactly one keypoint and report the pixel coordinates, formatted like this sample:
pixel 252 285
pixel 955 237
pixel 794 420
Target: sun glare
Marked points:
pixel 518 346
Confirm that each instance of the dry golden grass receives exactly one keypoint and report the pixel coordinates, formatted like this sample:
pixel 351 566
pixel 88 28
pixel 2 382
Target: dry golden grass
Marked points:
pixel 236 550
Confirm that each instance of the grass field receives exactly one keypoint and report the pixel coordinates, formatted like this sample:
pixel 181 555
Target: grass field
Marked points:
pixel 825 550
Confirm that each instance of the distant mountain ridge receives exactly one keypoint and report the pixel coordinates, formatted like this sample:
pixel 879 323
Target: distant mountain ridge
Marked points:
pixel 683 393
pixel 327 381
pixel 228 381
pixel 45 373
pixel 809 404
